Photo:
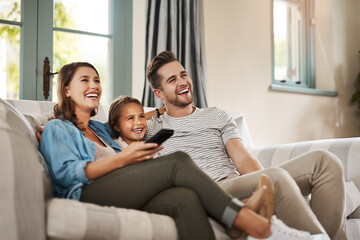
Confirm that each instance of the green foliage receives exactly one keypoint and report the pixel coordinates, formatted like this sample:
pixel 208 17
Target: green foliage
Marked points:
pixel 12 36
pixel 356 95
pixel 64 44
pixel 62 18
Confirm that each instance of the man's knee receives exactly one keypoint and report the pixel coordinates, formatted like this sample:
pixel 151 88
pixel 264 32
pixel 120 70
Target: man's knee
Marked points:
pixel 329 161
pixel 277 174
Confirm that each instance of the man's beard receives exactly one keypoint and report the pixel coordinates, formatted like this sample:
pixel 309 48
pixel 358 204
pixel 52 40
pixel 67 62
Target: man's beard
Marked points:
pixel 177 103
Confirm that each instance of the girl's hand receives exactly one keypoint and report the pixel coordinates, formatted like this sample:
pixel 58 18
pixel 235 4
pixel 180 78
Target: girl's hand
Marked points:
pixel 140 151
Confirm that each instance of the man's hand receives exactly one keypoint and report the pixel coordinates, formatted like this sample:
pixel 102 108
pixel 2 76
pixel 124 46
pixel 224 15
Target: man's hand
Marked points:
pixel 39 132
pixel 41 129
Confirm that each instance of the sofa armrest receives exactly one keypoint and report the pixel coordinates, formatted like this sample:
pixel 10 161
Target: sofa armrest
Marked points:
pixel 346 149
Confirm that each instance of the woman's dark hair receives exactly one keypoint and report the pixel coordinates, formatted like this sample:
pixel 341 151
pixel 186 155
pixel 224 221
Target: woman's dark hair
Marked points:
pixel 65 108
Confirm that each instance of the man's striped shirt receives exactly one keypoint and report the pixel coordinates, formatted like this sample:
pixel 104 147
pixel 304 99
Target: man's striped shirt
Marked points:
pixel 202 135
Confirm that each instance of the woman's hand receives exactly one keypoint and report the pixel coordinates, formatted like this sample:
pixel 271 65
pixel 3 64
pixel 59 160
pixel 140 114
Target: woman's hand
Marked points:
pixel 139 151
pixel 134 153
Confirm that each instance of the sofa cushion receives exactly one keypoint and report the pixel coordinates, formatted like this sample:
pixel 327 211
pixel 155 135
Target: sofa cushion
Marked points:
pixel 22 195
pixel 353 229
pixel 352 197
pixel 19 122
pixel 71 219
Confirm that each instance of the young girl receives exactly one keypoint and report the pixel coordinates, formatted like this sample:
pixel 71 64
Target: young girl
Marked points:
pixel 127 120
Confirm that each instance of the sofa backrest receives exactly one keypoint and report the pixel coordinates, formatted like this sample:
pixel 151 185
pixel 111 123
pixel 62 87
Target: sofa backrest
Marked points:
pixel 22 176
pixel 37 113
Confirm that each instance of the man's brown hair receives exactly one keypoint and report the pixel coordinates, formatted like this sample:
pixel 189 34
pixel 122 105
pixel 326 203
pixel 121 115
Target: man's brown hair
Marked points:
pixel 157 62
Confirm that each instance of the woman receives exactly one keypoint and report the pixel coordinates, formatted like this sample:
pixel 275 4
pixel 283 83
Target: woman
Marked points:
pixel 86 164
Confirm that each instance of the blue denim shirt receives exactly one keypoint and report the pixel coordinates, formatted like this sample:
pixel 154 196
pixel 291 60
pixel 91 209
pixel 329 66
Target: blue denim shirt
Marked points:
pixel 67 151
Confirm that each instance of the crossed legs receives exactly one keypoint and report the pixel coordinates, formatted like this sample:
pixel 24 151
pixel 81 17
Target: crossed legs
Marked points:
pixel 171 185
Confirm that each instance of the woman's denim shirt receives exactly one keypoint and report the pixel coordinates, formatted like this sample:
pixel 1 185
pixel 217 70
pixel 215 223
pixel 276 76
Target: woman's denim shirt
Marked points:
pixel 67 151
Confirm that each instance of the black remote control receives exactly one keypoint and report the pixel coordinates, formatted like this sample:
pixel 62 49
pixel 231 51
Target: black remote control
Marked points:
pixel 161 136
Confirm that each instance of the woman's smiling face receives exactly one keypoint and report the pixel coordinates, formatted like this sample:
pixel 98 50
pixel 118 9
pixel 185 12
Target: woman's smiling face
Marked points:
pixel 84 89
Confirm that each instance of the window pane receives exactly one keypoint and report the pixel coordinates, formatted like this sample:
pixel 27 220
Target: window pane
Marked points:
pixel 287 41
pixel 84 15
pixel 10 10
pixel 9 61
pixel 69 47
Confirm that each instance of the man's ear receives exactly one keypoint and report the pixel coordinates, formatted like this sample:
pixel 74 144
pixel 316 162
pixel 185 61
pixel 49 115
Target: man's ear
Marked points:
pixel 158 93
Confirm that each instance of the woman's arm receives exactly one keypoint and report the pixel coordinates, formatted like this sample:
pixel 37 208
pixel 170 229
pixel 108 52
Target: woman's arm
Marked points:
pixel 134 153
pixel 59 146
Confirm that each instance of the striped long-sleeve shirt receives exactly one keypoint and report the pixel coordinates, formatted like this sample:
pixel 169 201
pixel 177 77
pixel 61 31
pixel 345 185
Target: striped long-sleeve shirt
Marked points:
pixel 202 135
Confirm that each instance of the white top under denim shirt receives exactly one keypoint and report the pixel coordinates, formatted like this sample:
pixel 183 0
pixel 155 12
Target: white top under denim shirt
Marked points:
pixel 67 151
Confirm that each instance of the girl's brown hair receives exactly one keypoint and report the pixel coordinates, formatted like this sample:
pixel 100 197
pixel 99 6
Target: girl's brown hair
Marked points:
pixel 115 111
pixel 65 109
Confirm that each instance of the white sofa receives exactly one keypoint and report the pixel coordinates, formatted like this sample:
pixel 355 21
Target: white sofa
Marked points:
pixel 28 209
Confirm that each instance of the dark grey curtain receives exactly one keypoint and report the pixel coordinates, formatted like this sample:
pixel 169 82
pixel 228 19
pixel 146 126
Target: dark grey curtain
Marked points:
pixel 177 26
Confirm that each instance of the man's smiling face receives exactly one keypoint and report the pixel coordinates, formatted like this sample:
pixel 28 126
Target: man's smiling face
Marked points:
pixel 177 88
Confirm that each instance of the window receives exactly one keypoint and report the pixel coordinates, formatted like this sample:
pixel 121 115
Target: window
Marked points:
pixel 294 47
pixel 64 31
pixel 10 28
pixel 81 33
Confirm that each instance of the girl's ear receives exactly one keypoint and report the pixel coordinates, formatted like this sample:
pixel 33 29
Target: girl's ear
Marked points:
pixel 116 128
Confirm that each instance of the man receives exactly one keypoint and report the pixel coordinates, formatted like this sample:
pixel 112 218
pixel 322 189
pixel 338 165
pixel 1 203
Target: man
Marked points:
pixel 213 141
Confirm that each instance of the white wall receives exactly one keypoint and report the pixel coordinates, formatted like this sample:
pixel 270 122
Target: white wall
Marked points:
pixel 238 52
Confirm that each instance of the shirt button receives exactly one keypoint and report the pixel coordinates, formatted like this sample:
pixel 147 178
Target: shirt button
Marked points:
pixel 111 144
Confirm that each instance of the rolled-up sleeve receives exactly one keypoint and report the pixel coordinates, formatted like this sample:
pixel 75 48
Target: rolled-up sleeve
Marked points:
pixel 67 155
pixel 80 171
pixel 229 129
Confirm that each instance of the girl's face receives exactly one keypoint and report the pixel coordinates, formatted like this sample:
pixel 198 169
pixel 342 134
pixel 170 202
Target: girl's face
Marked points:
pixel 132 124
pixel 84 89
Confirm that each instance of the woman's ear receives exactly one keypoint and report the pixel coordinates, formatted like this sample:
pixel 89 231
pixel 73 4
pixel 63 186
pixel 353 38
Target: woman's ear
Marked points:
pixel 66 90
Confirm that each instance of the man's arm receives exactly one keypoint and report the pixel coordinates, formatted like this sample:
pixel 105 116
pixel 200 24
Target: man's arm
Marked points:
pixel 242 159
pixel 150 114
